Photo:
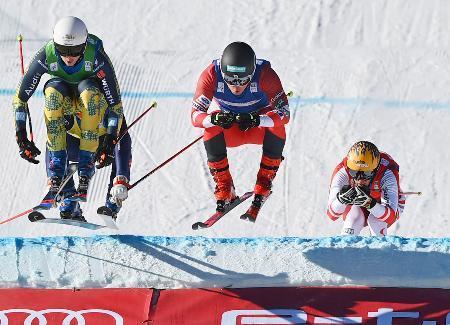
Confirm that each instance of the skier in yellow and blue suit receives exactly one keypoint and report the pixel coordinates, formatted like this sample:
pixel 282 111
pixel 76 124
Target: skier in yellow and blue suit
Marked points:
pixel 83 89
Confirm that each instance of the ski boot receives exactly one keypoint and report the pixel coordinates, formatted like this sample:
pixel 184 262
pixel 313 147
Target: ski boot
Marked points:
pixel 110 209
pixel 71 210
pixel 50 198
pixel 224 190
pixel 230 198
pixel 68 215
pixel 267 172
pixel 253 211
pixel 83 185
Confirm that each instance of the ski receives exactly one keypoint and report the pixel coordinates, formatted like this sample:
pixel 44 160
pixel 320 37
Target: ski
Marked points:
pixel 248 216
pixel 108 217
pixel 216 216
pixel 37 216
pixel 104 210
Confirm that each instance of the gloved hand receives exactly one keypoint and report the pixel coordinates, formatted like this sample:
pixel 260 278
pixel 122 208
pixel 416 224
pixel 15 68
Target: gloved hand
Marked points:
pixel 105 151
pixel 222 119
pixel 363 198
pixel 27 149
pixel 346 195
pixel 119 191
pixel 247 121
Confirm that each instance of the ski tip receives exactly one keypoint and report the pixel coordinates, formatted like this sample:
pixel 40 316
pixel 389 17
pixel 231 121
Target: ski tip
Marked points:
pixel 248 217
pixel 35 216
pixel 198 225
pixel 105 211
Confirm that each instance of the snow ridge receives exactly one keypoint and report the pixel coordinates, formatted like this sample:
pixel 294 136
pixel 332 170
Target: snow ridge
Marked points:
pixel 192 262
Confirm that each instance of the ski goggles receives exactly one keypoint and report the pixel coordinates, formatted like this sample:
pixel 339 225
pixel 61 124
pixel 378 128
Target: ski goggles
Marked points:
pixel 73 51
pixel 236 81
pixel 359 174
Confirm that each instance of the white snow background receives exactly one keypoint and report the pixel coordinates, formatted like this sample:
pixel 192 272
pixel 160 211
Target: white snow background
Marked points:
pixel 374 70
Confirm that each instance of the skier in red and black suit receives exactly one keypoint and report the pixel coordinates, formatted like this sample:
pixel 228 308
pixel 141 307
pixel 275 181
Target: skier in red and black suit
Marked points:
pixel 253 110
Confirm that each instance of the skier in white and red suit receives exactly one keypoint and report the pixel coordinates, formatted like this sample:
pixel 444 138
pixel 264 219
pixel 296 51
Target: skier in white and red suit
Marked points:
pixel 365 191
pixel 253 110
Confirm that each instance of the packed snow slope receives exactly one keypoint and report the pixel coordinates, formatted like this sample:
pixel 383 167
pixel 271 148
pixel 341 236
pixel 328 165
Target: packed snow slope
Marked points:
pixel 200 262
pixel 374 70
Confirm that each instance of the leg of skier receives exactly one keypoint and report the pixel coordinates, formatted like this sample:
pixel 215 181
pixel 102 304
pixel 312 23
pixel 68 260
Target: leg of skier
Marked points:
pixel 218 165
pixel 273 145
pixel 92 110
pixel 376 226
pixel 120 174
pixel 57 100
pixel 354 221
pixel 70 209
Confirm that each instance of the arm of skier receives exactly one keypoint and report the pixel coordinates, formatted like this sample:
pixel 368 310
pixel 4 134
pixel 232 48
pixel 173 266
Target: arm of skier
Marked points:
pixel 203 97
pixel 339 180
pixel 27 87
pixel 110 87
pixel 278 112
pixel 387 210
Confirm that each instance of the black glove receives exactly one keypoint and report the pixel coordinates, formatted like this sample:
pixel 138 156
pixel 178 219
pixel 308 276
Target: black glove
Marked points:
pixel 105 151
pixel 363 198
pixel 223 119
pixel 27 149
pixel 346 195
pixel 247 121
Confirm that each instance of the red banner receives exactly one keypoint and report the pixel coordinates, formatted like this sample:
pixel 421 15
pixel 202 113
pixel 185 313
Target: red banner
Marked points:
pixel 309 305
pixel 87 306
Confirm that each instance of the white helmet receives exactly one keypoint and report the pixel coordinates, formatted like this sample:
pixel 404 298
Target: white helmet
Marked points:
pixel 69 36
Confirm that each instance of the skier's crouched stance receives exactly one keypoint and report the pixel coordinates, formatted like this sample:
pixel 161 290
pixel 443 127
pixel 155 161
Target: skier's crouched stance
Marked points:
pixel 253 110
pixel 84 86
pixel 365 191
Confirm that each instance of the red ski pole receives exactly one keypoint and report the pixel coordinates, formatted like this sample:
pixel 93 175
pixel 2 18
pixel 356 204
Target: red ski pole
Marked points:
pixel 17 216
pixel 164 163
pixel 20 38
pixel 153 105
pixel 289 94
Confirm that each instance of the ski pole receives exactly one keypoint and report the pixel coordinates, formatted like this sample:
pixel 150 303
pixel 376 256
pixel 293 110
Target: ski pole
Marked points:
pixel 411 193
pixel 121 135
pixel 30 126
pixel 289 94
pixel 164 163
pixel 17 216
pixel 72 169
pixel 153 105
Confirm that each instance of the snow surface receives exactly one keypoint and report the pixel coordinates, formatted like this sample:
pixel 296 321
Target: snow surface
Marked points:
pixel 190 262
pixel 361 69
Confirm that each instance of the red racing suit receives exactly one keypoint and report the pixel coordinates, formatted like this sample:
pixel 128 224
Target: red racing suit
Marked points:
pixel 384 188
pixel 264 95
